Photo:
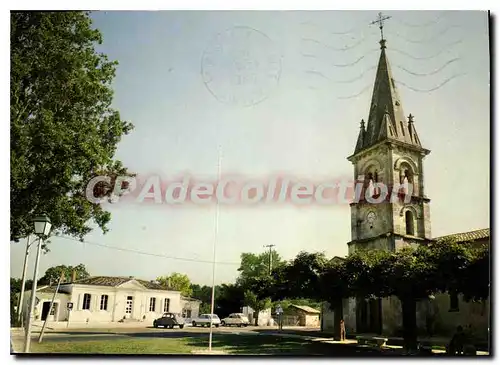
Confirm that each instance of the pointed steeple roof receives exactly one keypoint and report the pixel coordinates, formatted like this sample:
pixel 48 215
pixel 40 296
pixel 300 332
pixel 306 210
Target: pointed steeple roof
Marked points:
pixel 386 120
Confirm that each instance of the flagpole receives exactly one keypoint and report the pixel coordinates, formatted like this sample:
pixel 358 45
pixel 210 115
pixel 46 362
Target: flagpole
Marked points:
pixel 216 232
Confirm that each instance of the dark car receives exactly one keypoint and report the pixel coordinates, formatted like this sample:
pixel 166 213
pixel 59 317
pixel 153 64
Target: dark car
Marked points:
pixel 169 320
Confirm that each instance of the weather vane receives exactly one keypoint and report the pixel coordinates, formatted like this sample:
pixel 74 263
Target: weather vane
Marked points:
pixel 380 21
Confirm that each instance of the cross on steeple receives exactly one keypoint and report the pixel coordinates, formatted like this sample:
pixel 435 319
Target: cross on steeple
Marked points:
pixel 380 21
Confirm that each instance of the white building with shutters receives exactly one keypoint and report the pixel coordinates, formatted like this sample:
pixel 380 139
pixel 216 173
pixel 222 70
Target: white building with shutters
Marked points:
pixel 106 299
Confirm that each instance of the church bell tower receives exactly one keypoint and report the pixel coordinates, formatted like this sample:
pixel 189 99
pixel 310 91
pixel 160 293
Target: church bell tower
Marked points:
pixel 392 210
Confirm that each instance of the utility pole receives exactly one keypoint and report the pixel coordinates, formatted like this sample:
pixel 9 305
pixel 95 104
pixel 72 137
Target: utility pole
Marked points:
pixel 20 305
pixel 270 257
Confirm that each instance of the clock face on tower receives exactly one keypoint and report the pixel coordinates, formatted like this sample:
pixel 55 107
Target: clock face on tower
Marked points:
pixel 370 217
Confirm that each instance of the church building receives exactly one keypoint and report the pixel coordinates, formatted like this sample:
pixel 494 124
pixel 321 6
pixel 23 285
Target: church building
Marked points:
pixel 389 152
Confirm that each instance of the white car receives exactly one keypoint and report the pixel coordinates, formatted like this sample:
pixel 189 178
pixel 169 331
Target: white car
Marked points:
pixel 204 320
pixel 236 319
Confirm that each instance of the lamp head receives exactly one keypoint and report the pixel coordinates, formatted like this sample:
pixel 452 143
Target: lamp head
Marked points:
pixel 42 225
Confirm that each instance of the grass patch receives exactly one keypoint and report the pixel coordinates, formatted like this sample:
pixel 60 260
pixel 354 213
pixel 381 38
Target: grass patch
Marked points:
pixel 228 343
pixel 437 347
pixel 126 346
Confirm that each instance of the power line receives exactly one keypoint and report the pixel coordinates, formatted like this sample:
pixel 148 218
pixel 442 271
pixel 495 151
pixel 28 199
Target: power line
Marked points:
pixel 147 253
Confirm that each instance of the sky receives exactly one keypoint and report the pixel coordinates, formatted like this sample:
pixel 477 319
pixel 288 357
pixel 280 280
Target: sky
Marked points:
pixel 298 115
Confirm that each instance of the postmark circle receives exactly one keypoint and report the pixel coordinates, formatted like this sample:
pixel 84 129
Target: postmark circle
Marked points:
pixel 241 66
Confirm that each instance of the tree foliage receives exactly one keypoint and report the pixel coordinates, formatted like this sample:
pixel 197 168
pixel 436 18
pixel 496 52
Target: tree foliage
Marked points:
pixel 177 281
pixel 256 266
pixel 411 274
pixel 228 298
pixel 257 304
pixel 53 274
pixel 64 130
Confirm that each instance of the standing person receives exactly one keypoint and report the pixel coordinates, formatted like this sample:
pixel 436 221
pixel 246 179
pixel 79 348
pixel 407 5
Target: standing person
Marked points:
pixel 456 346
pixel 342 330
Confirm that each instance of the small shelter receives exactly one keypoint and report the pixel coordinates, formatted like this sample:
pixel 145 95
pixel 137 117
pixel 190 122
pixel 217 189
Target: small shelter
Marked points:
pixel 308 317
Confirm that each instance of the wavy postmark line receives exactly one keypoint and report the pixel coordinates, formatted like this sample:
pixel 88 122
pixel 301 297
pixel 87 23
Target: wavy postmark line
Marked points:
pixel 342 49
pixel 400 83
pixel 426 40
pixel 356 95
pixel 310 55
pixel 352 30
pixel 434 88
pixel 431 22
pixel 429 73
pixel 409 87
pixel 319 73
pixel 442 50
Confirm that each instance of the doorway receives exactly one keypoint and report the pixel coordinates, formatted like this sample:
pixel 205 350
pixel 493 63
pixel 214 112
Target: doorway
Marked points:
pixel 129 306
pixel 369 316
pixel 45 310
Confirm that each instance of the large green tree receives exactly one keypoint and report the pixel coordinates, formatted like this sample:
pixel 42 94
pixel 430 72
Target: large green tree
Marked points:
pixel 203 293
pixel 177 281
pixel 53 274
pixel 229 298
pixel 257 265
pixel 64 131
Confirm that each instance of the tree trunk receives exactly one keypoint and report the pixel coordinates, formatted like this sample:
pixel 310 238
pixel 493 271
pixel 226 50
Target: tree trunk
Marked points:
pixel 338 314
pixel 409 306
pixel 256 317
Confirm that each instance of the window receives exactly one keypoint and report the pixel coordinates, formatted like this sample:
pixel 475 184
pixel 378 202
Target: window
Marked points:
pixel 166 306
pixel 410 229
pixel 152 304
pixel 369 184
pixel 408 176
pixel 104 302
pixel 86 301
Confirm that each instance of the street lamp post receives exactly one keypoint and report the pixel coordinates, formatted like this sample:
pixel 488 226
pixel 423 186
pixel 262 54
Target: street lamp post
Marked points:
pixel 42 228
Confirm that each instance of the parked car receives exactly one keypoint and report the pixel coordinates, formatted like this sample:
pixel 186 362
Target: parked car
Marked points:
pixel 169 320
pixel 236 319
pixel 204 320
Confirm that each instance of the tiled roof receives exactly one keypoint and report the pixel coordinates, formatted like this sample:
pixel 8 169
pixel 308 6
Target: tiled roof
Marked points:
pixel 337 258
pixel 48 289
pixel 467 236
pixel 188 299
pixel 117 281
pixel 152 285
pixel 306 308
